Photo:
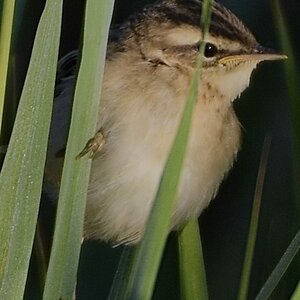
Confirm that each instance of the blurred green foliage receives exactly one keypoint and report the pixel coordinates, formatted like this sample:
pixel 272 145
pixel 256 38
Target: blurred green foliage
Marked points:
pixel 263 109
pixel 21 176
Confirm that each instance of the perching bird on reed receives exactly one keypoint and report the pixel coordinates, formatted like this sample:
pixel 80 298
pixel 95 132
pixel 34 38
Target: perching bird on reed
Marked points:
pixel 148 71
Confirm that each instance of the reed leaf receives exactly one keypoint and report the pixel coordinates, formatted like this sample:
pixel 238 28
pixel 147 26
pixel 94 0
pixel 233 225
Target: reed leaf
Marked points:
pixel 191 264
pixel 292 79
pixel 6 27
pixel 22 172
pixel 249 253
pixel 61 276
pixel 280 269
pixel 119 287
pixel 296 294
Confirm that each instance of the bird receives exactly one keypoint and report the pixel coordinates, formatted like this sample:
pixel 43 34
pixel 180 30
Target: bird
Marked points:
pixel 149 67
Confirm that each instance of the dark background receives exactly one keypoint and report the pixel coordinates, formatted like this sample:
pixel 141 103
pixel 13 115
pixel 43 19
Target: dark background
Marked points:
pixel 263 109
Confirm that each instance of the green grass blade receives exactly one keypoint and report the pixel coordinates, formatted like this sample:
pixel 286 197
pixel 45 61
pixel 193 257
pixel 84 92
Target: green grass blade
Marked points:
pixel 118 288
pixel 246 272
pixel 61 277
pixel 296 294
pixel 6 25
pixel 22 172
pixel 293 79
pixel 191 264
pixel 149 252
pixel 280 269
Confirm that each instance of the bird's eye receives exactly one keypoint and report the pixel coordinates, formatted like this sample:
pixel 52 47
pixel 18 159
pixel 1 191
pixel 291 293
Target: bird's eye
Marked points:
pixel 210 50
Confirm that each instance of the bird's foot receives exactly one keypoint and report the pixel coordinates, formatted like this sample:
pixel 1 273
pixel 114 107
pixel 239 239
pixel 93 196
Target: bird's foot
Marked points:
pixel 93 146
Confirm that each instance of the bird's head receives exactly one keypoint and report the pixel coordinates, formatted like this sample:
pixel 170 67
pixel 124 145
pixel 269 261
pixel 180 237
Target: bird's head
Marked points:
pixel 168 34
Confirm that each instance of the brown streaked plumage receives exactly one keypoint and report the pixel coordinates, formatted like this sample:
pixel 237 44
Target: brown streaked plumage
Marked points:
pixel 149 66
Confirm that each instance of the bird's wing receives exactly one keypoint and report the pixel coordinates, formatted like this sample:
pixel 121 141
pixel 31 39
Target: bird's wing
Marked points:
pixel 66 71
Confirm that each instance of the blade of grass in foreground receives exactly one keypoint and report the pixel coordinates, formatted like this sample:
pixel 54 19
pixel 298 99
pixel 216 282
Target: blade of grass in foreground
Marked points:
pixel 22 172
pixel 191 264
pixel 6 25
pixel 296 294
pixel 118 288
pixel 280 269
pixel 292 79
pixel 246 273
pixel 61 276
pixel 292 76
pixel 148 255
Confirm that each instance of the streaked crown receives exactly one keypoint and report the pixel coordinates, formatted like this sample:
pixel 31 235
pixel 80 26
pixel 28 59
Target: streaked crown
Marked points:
pixel 169 32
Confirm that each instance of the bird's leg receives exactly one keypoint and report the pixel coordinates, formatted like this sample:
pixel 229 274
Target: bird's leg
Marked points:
pixel 93 145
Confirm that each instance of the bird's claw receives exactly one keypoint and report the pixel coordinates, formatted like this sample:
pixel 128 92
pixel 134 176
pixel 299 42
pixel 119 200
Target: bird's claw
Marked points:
pixel 93 146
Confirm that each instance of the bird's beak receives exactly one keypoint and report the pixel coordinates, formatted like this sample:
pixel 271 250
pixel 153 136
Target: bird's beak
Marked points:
pixel 259 54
